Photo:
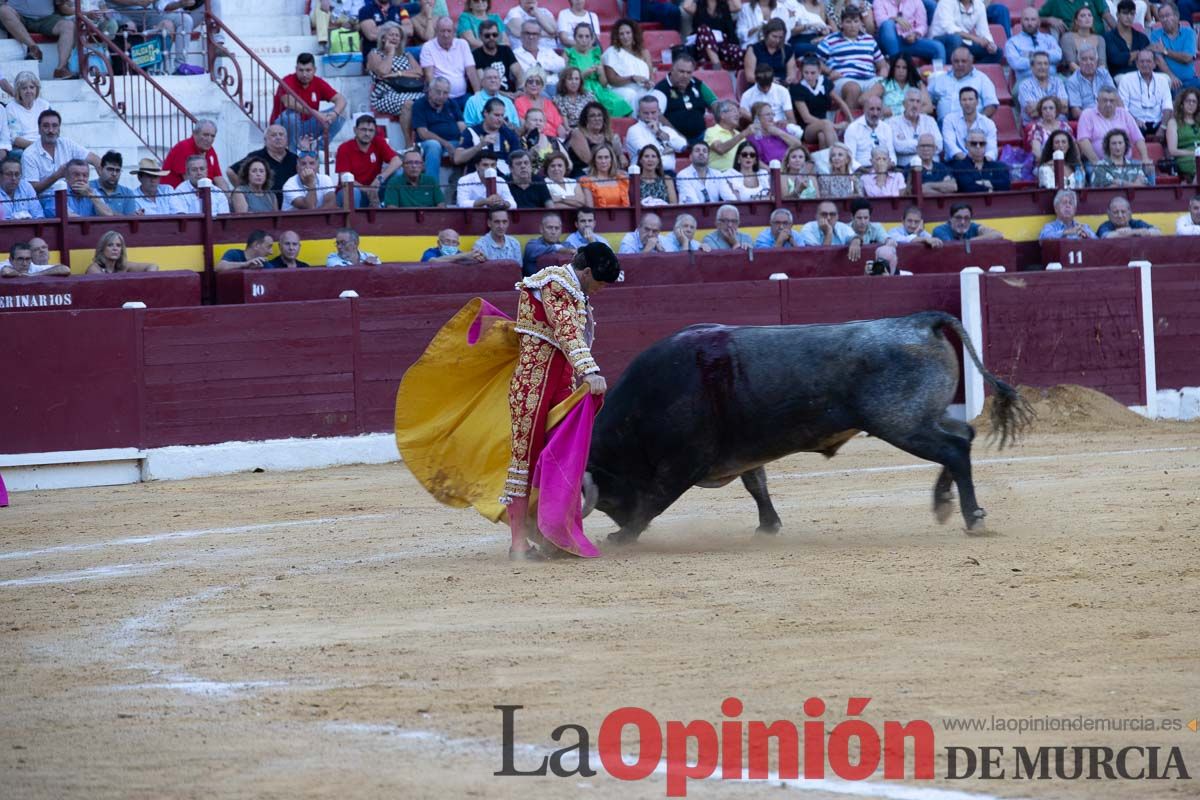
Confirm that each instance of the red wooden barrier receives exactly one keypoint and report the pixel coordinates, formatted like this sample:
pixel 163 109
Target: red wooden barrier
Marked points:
pixel 155 289
pixel 1079 326
pixel 1072 253
pixel 1177 325
pixel 387 280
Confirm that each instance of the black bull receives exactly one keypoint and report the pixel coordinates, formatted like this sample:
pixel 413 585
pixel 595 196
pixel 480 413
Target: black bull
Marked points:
pixel 712 403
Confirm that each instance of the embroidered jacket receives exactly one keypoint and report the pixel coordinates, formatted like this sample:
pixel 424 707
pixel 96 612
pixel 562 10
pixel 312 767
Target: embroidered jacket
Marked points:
pixel 553 308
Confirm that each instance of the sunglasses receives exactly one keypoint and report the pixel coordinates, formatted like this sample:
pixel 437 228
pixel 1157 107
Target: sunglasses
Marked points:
pixel 489 36
pixel 976 144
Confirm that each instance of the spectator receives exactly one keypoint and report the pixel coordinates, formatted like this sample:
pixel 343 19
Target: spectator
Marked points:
pixel 411 187
pixel 449 58
pixel 348 253
pixel 396 82
pixel 936 177
pixel 780 232
pixel 471 24
pixel 1116 170
pixel 868 132
pixel 82 199
pixel 20 17
pixel 605 185
pixel 254 194
pixel 472 188
pixel 752 19
pixel 585 56
pixel 304 118
pixel 186 197
pixel 1040 84
pixel 17 197
pixel 497 245
pixel 1029 40
pixel 1094 123
pixel 438 125
pixel 152 199
pixel 903 77
pixel 369 158
pixel 682 238
pixel 571 18
pixel 336 14
pixel 30 259
pixel 717 45
pixel 533 136
pixel 21 117
pixel 854 60
pixel 535 53
pixel 372 17
pixel 255 255
pixel 1174 48
pixel 1183 132
pixel 656 188
pixel 200 143
pixel 40 263
pixel 826 229
pixel 289 253
pixel 977 172
pixel 111 257
pixel 1046 123
pixel 309 189
pixel 1121 224
pixel 1079 37
pixel 912 230
pixel 1083 88
pixel 687 99
pixel 532 99
pixel 908 128
pixel 650 129
pixel 1189 224
pixel 1124 42
pixel 959 125
pixel 585 230
pixel 45 162
pixel 424 22
pixel 955 26
pixel 883 180
pixel 769 138
pixel 1064 225
pixel 727 236
pixel 528 11
pixel 565 192
pixel 700 183
pixel 1073 175
pixel 1146 94
pixel 1058 14
pixel 962 228
pixel 813 99
pixel 490 90
pixel 839 180
pixel 571 98
pixel 528 191
pixel 627 64
pixel 275 154
pixel 594 130
pixel 491 135
pixel 646 239
pixel 945 87
pixel 799 175
pixel 500 58
pixel 548 242
pixel 724 137
pixel 772 50
pixel 448 252
pixel 749 180
pixel 902 26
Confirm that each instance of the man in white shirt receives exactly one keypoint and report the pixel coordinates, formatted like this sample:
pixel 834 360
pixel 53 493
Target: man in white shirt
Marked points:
pixel 309 188
pixel 186 198
pixel 646 239
pixel 766 90
pixel 1189 224
pixel 868 132
pixel 912 229
pixel 907 129
pixel 1146 94
pixel 699 183
pixel 530 11
pixel 959 123
pixel 945 86
pixel 472 190
pixel 44 163
pixel 152 197
pixel 532 53
pixel 650 129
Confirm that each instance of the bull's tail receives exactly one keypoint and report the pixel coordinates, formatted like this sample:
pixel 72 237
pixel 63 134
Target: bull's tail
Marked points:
pixel 1011 413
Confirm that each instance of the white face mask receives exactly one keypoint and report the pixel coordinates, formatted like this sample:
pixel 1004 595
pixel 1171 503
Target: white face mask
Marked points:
pixel 448 250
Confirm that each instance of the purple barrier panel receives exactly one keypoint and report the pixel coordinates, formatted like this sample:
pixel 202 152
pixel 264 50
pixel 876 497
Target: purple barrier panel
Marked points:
pixel 1076 326
pixel 248 372
pixel 1177 325
pixel 1073 253
pixel 385 280
pixel 155 289
pixel 70 381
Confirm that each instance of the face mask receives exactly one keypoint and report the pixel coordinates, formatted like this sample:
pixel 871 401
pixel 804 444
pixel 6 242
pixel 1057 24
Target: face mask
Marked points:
pixel 447 250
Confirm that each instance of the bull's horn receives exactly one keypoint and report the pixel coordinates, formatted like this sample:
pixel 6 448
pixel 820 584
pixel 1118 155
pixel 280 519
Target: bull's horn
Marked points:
pixel 590 493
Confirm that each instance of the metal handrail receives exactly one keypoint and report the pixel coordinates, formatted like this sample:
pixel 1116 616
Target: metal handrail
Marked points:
pixel 153 115
pixel 253 93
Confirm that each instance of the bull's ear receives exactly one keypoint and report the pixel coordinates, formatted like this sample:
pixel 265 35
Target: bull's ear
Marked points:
pixel 590 494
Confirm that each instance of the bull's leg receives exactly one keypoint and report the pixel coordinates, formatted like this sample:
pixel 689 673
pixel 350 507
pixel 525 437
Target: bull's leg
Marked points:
pixel 668 490
pixel 755 482
pixel 952 451
pixel 943 498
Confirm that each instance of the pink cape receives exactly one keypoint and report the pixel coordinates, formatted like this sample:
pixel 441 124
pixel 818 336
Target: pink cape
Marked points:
pixel 3 493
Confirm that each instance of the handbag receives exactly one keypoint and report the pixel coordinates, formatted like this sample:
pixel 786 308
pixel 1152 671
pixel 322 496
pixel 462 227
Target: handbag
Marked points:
pixel 342 41
pixel 406 84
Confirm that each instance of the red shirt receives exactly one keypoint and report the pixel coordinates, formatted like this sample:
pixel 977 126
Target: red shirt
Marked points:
pixel 365 166
pixel 176 162
pixel 318 91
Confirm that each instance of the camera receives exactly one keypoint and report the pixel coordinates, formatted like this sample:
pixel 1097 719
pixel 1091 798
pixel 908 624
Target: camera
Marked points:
pixel 878 266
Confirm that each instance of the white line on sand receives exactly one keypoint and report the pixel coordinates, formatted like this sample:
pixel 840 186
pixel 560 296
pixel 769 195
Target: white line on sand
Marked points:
pixel 89 574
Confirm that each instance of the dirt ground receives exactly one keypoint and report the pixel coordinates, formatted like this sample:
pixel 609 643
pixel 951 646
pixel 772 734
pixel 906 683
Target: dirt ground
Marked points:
pixel 337 633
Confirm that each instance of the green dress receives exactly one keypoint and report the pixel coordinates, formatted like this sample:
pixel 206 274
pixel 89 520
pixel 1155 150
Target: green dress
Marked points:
pixel 1188 136
pixel 612 102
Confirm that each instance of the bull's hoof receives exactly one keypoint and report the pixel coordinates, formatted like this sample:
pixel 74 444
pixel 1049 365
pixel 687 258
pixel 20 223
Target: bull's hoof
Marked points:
pixel 943 508
pixel 975 520
pixel 768 530
pixel 622 537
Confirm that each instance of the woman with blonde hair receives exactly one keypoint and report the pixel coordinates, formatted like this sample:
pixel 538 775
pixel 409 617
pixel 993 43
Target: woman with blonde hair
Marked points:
pixel 532 84
pixel 110 257
pixel 395 82
pixel 1079 37
pixel 21 117
pixel 605 185
pixel 840 181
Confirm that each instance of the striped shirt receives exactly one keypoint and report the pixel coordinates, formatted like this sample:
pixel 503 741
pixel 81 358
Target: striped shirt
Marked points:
pixel 853 59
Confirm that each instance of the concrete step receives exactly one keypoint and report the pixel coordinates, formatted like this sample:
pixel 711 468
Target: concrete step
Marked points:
pixel 263 9
pixel 14 67
pixel 256 24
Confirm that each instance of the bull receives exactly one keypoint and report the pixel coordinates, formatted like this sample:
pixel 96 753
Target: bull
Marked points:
pixel 712 403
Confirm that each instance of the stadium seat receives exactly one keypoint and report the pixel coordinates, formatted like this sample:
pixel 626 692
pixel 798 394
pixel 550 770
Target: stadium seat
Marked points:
pixel 996 73
pixel 998 35
pixel 658 41
pixel 719 81
pixel 621 126
pixel 1008 130
pixel 1154 150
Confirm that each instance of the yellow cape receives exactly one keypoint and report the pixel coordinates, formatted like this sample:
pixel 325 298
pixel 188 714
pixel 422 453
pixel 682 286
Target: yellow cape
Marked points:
pixel 453 425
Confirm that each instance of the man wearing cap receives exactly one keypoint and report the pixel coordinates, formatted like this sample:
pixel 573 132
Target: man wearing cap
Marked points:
pixel 151 198
pixel 109 189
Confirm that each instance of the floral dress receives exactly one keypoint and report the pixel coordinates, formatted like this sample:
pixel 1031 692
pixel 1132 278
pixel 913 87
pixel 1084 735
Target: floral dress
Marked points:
pixel 572 106
pixel 385 99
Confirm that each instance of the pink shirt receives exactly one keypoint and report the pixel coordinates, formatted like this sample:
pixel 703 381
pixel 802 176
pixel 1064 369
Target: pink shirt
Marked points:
pixel 450 64
pixel 1093 127
pixel 892 187
pixel 912 10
